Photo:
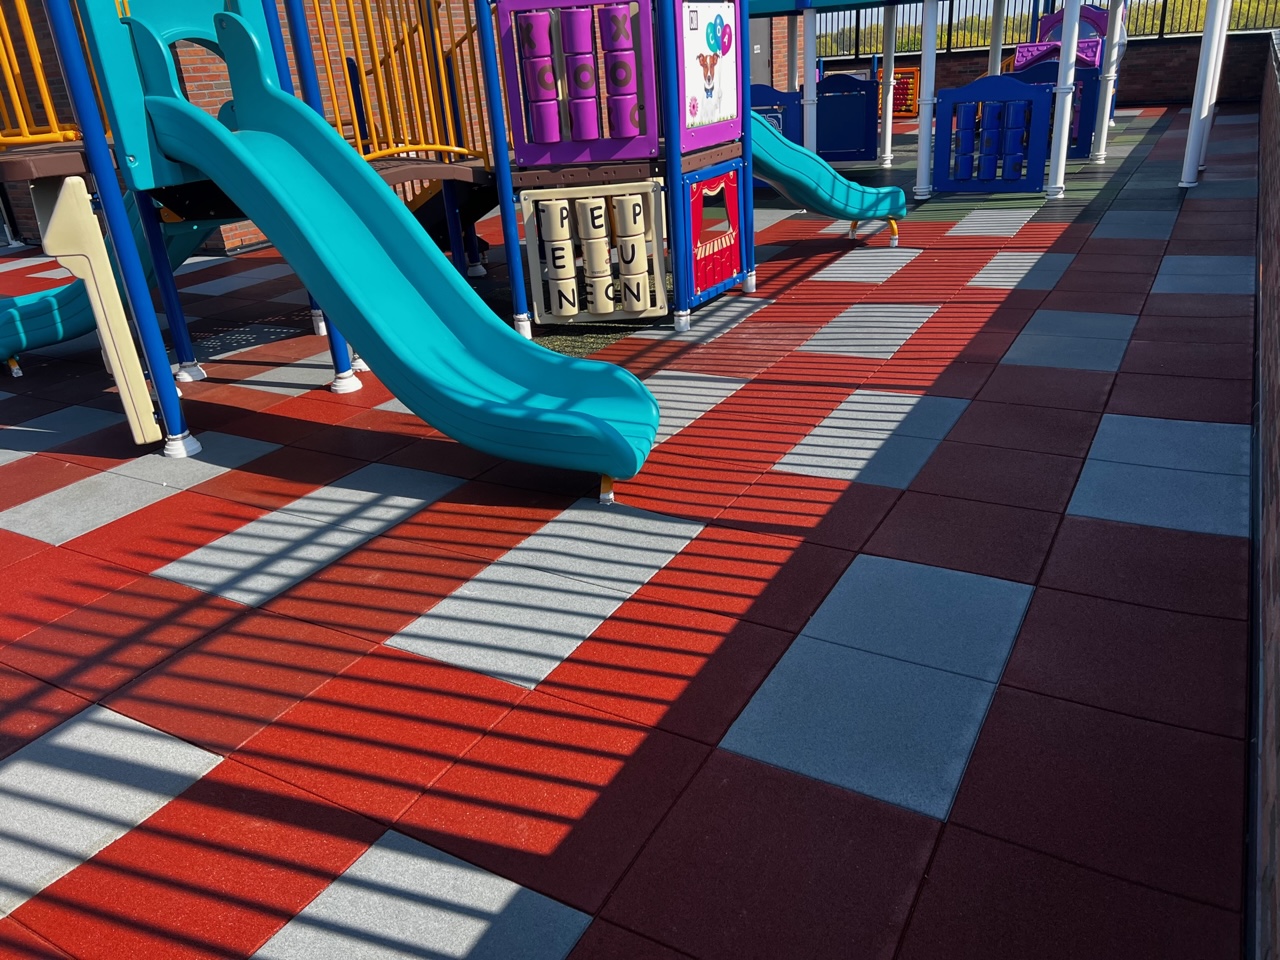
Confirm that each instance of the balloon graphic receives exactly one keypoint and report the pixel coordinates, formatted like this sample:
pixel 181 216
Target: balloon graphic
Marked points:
pixel 713 39
pixel 719 25
pixel 726 40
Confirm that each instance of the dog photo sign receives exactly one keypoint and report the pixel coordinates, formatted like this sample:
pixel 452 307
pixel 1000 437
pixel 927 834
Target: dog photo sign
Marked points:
pixel 710 61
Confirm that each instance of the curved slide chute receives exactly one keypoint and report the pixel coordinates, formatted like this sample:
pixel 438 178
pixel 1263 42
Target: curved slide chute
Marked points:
pixel 808 181
pixel 422 329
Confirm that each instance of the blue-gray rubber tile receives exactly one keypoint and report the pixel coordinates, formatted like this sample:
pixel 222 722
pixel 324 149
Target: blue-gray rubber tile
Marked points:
pixel 294 378
pixel 1219 148
pixel 78 788
pixel 684 397
pixel 219 453
pixel 373 499
pixel 893 730
pixel 870 330
pixel 868 264
pixel 1206 275
pixel 1073 353
pixel 765 217
pixel 1156 497
pixel 708 322
pixel 962 622
pixel 993 222
pixel 1242 189
pixel 196 264
pixel 223 286
pixel 404 900
pixel 875 437
pixel 80 507
pixel 228 343
pixel 1174 444
pixel 1023 270
pixel 294 298
pixel 766 252
pixel 1073 323
pixel 88 344
pixel 1235 119
pixel 1135 225
pixel 57 428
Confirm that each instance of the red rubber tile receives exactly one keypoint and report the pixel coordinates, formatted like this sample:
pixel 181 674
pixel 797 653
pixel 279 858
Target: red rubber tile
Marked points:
pixel 1132 264
pixel 1084 390
pixel 97 649
pixel 50 585
pixel 751 443
pixel 989 900
pixel 1168 667
pixel 1143 801
pixel 769 580
pixel 19 943
pixel 377 589
pixel 641 355
pixel 272 427
pixel 1088 281
pixel 604 941
pixel 278 478
pixel 1227 361
pixel 228 686
pixel 1182 398
pixel 1212 248
pixel 375 736
pixel 759 862
pixel 1017 478
pixel 1232 226
pixel 820 369
pixel 955 378
pixel 531 477
pixel 34 476
pixel 818 509
pixel 990 539
pixel 1095 301
pixel 14 548
pixel 102 449
pixel 1200 305
pixel 439 454
pixel 211 406
pixel 372 393
pixel 1199 330
pixel 674 667
pixel 214 873
pixel 687 485
pixel 30 708
pixel 557 797
pixel 1171 569
pixel 358 437
pixel 1006 319
pixel 1067 433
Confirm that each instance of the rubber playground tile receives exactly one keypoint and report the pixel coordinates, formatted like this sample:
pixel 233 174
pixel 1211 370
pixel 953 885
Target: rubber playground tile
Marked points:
pixel 1112 260
pixel 684 397
pixel 165 531
pixel 869 330
pixel 818 370
pixel 56 428
pixel 557 797
pixel 103 645
pixel 525 476
pixel 1008 543
pixel 72 511
pixel 800 868
pixel 1029 270
pixel 1143 801
pixel 1170 569
pixel 279 478
pixel 35 476
pixel 641 356
pixel 211 406
pixel 1177 499
pixel 21 408
pixel 1173 668
pixel 1017 478
pixel 986 899
pixel 1092 301
pixel 1214 248
pixel 1205 305
pixel 689 486
pixel 1232 361
pixel 14 548
pixel 19 943
pixel 607 941
pixel 1182 398
pixel 1175 444
pixel 51 584
pixel 1111 249
pixel 1202 332
pixel 744 443
pixel 1103 282
pixel 30 708
pixel 374 737
pixel 673 667
pixel 932 377
pixel 225 688
pixel 1064 432
pixel 215 872
pixel 100 450
pixel 819 510
pixel 439 454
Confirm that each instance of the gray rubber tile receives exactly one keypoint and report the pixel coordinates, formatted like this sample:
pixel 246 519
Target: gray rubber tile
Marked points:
pixel 961 622
pixel 1235 119
pixel 294 378
pixel 10 456
pixel 1022 270
pixel 1073 353
pixel 195 265
pixel 868 265
pixel 684 397
pixel 1155 497
pixel 1221 148
pixel 78 788
pixel 866 228
pixel 219 453
pixel 85 505
pixel 707 322
pixel 765 217
pixel 404 900
pixel 1135 225
pixel 1174 444
pixel 893 730
pixel 57 428
pixel 223 286
pixel 294 298
pixel 992 223
pixel 1070 323
pixel 394 405
pixel 870 330
pixel 372 499
pixel 1206 275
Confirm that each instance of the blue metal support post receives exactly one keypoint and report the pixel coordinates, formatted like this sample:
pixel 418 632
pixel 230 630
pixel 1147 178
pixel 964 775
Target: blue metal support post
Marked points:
pixel 188 369
pixel 502 166
pixel 677 194
pixel 747 184
pixel 66 36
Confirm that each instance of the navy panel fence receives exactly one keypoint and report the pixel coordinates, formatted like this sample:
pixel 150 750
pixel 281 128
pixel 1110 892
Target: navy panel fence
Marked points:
pixel 1084 104
pixel 992 137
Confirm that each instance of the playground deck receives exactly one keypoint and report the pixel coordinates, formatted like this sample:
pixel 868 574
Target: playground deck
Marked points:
pixel 923 634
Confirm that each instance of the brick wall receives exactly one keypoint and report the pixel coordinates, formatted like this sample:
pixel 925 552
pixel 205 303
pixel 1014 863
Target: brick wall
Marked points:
pixel 1266 897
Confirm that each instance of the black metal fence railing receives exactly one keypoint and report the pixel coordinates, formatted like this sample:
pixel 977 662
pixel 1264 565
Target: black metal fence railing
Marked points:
pixel 966 24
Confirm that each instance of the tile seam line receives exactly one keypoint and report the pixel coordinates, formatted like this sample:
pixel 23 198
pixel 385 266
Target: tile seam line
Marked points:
pixel 12 919
pixel 916 663
pixel 1164 469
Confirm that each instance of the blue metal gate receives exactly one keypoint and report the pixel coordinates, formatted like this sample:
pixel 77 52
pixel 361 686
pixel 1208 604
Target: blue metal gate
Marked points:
pixel 847 117
pixel 1084 103
pixel 992 137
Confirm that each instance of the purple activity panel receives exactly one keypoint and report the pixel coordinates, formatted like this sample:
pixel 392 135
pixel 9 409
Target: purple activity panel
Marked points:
pixel 708 62
pixel 580 80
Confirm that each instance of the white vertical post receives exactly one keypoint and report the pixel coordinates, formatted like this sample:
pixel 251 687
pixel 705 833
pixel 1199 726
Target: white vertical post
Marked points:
pixel 890 34
pixel 1200 106
pixel 1065 93
pixel 997 38
pixel 792 36
pixel 1215 75
pixel 928 80
pixel 809 96
pixel 1110 70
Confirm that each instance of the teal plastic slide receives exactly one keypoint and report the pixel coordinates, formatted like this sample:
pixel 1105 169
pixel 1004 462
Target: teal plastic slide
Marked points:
pixel 36 320
pixel 808 181
pixel 426 334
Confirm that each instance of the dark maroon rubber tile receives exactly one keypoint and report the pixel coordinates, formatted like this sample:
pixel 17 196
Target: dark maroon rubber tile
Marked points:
pixel 1199 305
pixel 1147 802
pixel 1084 390
pixel 1182 398
pixel 1225 361
pixel 1067 433
pixel 754 861
pixel 1017 478
pixel 990 900
pixel 1196 330
pixel 605 941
